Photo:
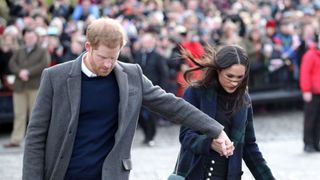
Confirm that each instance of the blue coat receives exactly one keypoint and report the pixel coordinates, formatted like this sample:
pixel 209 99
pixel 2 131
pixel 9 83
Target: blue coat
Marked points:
pixel 196 147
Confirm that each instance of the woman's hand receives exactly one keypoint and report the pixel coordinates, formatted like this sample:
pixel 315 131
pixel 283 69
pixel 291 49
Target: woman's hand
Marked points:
pixel 222 148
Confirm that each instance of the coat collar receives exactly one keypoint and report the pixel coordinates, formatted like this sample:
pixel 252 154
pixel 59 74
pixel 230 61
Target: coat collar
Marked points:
pixel 76 67
pixel 74 91
pixel 122 80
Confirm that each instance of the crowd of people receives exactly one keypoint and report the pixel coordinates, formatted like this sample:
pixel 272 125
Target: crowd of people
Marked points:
pixel 258 42
pixel 275 35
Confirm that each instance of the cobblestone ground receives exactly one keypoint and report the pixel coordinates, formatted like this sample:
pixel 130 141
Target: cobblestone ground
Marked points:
pixel 278 134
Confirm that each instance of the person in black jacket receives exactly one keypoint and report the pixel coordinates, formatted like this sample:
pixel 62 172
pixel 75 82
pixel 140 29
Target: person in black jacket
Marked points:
pixel 8 44
pixel 155 68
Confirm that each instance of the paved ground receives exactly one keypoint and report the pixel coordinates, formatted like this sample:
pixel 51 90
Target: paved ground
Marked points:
pixel 278 134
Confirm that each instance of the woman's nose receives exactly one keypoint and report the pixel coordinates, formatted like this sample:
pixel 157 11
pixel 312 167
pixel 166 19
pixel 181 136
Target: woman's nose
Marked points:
pixel 234 83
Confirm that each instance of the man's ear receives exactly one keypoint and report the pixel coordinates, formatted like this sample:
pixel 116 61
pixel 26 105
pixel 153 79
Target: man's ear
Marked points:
pixel 87 45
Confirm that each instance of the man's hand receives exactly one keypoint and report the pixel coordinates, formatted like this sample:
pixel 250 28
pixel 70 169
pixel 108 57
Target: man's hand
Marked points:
pixel 218 144
pixel 24 75
pixel 223 145
pixel 307 96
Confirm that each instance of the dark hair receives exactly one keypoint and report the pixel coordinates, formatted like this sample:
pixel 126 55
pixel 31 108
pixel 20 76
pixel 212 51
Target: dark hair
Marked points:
pixel 28 30
pixel 214 61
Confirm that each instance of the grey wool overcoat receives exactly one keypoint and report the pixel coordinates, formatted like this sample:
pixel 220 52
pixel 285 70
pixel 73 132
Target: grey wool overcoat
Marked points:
pixel 53 124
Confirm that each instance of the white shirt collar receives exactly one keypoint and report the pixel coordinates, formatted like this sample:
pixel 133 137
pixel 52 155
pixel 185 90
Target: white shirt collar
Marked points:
pixel 85 69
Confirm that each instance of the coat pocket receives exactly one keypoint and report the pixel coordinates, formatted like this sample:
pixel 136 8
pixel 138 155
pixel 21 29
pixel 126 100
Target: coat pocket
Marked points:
pixel 127 164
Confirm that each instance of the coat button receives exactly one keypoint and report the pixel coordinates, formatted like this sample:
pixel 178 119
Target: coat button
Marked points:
pixel 212 162
pixel 209 174
pixel 211 168
pixel 208 178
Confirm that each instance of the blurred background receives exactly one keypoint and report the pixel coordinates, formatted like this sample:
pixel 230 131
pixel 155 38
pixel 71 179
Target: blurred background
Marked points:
pixel 275 33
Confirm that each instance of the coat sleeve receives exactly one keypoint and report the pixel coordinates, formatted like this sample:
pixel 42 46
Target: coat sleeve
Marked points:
pixel 306 72
pixel 35 141
pixel 195 141
pixel 13 65
pixel 176 109
pixel 252 155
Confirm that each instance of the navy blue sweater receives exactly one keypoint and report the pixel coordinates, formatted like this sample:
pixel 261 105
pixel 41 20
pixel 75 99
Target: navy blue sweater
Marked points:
pixel 98 123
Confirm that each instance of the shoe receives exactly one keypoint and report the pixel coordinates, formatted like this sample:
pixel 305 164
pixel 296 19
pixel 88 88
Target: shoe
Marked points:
pixel 149 143
pixel 11 145
pixel 309 148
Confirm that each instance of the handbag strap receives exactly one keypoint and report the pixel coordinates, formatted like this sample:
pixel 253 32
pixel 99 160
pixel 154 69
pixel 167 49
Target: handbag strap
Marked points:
pixel 177 164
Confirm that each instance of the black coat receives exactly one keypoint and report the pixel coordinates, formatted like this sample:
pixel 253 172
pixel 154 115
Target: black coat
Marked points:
pixel 154 66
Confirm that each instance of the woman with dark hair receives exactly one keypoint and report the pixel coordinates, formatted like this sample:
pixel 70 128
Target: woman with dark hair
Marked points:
pixel 222 94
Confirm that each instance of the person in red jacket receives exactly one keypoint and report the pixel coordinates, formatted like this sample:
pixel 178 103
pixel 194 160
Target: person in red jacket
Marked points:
pixel 193 45
pixel 310 87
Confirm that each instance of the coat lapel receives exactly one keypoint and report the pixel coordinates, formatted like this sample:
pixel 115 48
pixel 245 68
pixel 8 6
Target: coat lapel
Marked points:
pixel 74 91
pixel 209 102
pixel 238 127
pixel 122 80
pixel 74 96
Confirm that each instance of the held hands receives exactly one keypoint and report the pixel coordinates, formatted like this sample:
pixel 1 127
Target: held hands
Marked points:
pixel 223 145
